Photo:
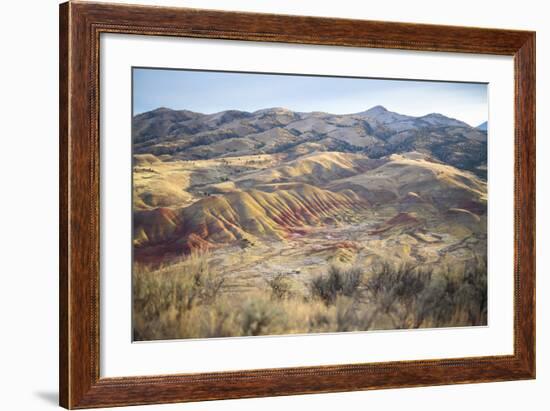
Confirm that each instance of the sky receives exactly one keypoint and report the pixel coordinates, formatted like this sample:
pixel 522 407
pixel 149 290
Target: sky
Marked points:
pixel 212 92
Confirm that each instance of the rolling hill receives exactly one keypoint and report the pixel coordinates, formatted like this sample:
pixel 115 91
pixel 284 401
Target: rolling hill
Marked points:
pixel 295 194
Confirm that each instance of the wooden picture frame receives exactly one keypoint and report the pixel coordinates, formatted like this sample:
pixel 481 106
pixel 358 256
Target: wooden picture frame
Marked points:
pixel 80 27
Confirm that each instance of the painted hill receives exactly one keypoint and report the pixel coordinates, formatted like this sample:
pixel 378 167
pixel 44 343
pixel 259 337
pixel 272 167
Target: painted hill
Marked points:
pixel 239 216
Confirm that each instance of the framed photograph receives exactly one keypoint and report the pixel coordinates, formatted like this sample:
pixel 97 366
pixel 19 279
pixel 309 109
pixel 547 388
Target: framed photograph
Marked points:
pixel 259 205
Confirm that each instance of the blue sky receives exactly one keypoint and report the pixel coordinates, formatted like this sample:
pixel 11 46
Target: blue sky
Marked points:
pixel 211 92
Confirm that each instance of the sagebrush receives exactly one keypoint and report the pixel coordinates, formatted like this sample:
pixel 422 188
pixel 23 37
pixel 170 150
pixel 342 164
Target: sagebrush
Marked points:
pixel 190 299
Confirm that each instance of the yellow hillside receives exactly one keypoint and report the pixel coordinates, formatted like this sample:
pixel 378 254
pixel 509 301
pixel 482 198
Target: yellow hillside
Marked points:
pixel 253 213
pixel 444 185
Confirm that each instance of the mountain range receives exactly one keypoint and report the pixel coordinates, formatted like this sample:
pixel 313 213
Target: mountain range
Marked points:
pixel 376 133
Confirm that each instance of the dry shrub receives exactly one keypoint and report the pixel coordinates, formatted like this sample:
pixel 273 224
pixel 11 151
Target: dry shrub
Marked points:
pixel 412 297
pixel 283 287
pixel 161 297
pixel 260 316
pixel 348 314
pixel 338 281
pixel 217 319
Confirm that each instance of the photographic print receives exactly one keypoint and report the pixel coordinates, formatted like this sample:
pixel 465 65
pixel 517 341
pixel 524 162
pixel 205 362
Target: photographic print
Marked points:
pixel 271 204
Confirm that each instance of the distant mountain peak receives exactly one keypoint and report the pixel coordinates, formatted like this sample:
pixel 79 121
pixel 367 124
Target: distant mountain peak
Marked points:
pixel 382 115
pixel 163 110
pixel 434 115
pixel 278 110
pixel 376 110
pixel 438 119
pixel 482 126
